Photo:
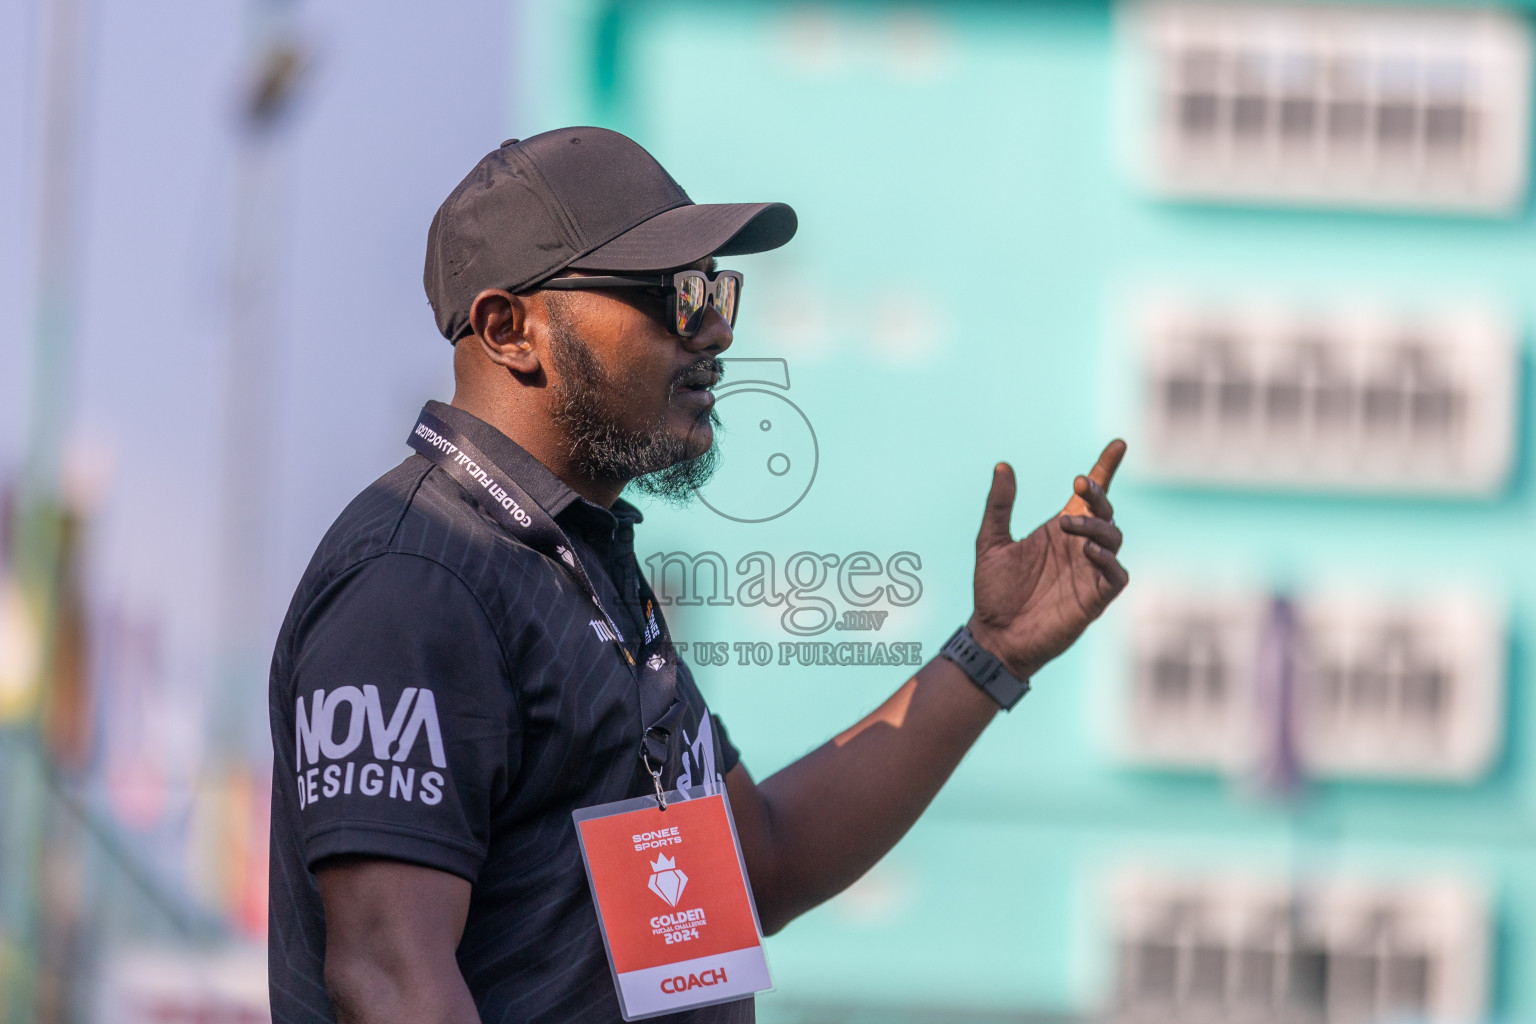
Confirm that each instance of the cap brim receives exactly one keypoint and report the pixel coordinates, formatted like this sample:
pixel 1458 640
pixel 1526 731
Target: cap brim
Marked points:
pixel 687 234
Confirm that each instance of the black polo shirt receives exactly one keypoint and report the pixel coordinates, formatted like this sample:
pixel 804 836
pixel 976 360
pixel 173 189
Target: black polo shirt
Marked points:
pixel 444 695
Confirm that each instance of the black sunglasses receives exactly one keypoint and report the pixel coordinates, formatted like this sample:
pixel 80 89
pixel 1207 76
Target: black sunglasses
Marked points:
pixel 689 293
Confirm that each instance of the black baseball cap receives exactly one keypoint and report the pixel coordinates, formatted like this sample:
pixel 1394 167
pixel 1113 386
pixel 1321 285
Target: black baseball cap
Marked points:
pixel 582 198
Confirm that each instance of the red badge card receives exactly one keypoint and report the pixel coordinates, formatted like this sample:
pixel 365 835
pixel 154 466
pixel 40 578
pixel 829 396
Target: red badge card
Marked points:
pixel 673 901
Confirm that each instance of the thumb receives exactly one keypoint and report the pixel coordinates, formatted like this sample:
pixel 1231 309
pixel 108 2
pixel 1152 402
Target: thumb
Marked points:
pixel 994 520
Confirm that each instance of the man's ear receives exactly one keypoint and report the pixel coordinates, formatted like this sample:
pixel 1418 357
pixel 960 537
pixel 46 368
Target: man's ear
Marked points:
pixel 499 320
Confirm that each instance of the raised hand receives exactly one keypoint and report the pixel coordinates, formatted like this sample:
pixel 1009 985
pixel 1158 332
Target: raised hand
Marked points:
pixel 1035 596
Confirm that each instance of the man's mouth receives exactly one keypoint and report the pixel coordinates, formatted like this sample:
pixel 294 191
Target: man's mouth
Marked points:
pixel 700 379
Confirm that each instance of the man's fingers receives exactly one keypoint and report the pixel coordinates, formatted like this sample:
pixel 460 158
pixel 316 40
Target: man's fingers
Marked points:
pixel 1113 573
pixel 1094 500
pixel 1098 479
pixel 1109 461
pixel 1100 531
pixel 999 510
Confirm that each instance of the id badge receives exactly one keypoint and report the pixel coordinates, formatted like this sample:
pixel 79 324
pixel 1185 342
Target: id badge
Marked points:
pixel 673 902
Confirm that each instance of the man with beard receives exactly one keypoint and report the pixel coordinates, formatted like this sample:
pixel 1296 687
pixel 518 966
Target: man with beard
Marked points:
pixel 473 655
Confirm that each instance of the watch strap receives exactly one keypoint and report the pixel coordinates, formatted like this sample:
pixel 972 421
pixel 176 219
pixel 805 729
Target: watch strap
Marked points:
pixel 984 669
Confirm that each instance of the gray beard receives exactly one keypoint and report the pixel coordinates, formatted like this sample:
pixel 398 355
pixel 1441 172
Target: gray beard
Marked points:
pixel 654 462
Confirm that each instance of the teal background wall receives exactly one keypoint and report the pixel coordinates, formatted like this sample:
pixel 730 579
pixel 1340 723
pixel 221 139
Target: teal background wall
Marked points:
pixel 970 242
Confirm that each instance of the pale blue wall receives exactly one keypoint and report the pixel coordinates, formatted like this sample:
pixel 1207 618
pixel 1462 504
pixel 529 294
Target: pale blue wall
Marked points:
pixel 972 192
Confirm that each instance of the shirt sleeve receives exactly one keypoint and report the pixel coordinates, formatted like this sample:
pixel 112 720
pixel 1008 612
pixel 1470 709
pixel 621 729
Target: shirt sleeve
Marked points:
pixel 405 722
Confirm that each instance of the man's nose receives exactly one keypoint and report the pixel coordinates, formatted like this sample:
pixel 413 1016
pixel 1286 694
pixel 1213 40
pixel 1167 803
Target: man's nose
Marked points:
pixel 715 335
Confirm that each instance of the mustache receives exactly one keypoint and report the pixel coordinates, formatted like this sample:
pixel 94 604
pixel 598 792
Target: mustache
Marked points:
pixel 707 364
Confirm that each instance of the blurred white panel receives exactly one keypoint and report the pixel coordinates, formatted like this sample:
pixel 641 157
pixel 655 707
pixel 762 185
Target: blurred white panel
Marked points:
pixel 1348 951
pixel 1192 690
pixel 1318 104
pixel 1378 687
pixel 1328 399
pixel 1401 690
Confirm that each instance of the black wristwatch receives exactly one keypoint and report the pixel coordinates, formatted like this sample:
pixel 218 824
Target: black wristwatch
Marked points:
pixel 984 669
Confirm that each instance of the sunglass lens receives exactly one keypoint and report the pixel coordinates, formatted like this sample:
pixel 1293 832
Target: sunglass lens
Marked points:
pixel 727 290
pixel 690 302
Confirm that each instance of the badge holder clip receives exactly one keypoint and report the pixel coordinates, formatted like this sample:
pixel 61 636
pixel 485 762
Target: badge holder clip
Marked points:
pixel 661 797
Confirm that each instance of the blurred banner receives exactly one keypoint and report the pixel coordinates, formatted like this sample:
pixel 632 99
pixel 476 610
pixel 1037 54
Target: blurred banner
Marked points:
pixel 1283 250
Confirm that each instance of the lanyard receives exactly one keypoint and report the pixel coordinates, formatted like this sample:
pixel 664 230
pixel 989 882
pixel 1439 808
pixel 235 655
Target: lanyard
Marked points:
pixel 506 502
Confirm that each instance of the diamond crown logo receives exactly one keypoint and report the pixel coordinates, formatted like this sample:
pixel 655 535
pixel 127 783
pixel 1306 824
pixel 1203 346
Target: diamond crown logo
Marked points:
pixel 667 881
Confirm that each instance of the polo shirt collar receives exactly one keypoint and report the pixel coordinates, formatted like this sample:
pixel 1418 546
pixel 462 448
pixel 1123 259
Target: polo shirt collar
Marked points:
pixel 543 486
